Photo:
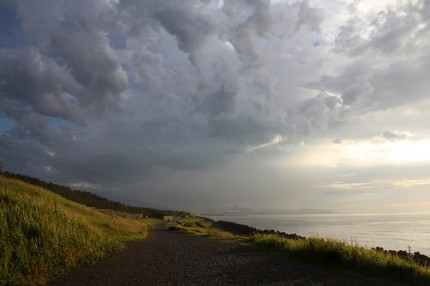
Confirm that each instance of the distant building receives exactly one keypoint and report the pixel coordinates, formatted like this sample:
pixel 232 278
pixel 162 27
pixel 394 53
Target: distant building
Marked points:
pixel 168 218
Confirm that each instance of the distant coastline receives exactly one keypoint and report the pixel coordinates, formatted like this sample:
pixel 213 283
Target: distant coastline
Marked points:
pixel 247 211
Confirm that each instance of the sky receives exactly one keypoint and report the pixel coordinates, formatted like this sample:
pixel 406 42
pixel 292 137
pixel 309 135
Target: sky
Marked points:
pixel 194 104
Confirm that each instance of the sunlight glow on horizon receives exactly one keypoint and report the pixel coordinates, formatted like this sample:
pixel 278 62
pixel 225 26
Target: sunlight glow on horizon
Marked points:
pixel 364 153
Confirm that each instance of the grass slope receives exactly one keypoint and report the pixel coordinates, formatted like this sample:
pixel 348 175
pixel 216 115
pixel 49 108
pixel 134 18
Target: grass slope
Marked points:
pixel 87 198
pixel 43 234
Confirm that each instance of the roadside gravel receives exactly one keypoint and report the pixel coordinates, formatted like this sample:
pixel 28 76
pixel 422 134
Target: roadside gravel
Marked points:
pixel 171 258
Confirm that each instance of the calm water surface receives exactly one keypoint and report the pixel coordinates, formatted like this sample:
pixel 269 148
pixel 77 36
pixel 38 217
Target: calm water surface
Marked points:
pixel 390 231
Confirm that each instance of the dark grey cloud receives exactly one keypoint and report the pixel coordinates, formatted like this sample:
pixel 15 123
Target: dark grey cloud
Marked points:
pixel 73 35
pixel 219 94
pixel 387 66
pixel 393 28
pixel 11 35
pixel 259 16
pixel 309 16
pixel 33 83
pixel 243 30
pixel 189 26
pixel 396 135
pixel 391 31
pixel 136 97
pixel 316 115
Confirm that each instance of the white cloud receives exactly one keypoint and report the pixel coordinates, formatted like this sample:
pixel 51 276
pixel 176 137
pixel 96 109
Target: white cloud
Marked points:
pixel 275 140
pixel 376 186
pixel 51 153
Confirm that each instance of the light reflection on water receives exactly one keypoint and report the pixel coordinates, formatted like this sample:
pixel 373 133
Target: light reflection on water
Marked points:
pixel 395 231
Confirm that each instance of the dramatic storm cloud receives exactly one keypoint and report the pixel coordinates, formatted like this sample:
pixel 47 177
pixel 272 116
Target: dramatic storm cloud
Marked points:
pixel 199 103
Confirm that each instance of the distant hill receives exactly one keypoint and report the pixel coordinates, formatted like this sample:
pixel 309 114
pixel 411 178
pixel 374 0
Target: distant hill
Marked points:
pixel 248 211
pixel 308 211
pixel 87 198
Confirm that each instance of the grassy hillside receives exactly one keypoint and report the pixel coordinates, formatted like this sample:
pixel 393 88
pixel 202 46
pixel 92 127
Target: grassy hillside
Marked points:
pixel 87 198
pixel 43 233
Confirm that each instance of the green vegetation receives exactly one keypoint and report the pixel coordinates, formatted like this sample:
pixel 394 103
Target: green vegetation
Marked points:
pixel 350 257
pixel 43 234
pixel 198 226
pixel 87 198
pixel 317 250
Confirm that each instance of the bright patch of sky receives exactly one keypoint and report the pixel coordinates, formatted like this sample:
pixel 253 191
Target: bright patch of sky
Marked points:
pixel 375 152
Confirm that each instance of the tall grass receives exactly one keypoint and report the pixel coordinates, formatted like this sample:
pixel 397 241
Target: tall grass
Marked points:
pixel 346 256
pixel 43 234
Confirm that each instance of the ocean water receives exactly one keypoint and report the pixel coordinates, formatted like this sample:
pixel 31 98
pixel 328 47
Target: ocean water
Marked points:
pixel 395 231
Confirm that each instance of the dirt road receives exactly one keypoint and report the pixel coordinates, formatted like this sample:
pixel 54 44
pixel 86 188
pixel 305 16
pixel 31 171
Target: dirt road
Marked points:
pixel 170 258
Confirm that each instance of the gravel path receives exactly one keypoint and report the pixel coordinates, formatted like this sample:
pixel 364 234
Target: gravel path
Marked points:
pixel 171 258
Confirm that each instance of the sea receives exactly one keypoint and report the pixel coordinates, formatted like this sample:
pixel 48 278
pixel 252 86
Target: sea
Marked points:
pixel 392 231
